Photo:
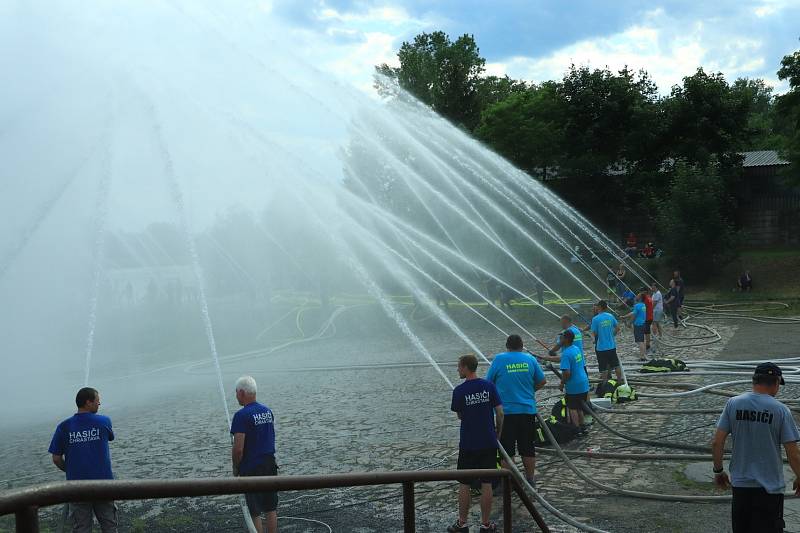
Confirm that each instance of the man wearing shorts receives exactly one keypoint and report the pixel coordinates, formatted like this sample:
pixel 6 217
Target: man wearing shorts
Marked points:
pixel 577 335
pixel 605 327
pixel 639 316
pixel 574 380
pixel 658 308
pixel 648 321
pixel 80 448
pixel 518 376
pixel 253 454
pixel 478 406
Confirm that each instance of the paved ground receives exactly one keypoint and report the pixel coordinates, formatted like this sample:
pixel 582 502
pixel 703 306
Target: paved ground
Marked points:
pixel 399 424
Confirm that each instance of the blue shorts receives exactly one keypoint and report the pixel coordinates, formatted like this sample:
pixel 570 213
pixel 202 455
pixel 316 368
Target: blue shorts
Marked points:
pixel 638 333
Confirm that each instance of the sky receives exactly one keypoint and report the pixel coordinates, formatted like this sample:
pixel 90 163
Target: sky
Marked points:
pixel 537 40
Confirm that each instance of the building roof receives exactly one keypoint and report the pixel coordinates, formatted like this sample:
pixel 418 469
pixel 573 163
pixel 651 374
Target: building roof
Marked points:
pixel 762 158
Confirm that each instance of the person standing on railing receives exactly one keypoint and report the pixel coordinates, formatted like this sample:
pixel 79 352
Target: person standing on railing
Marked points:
pixel 478 406
pixel 759 425
pixel 253 453
pixel 80 448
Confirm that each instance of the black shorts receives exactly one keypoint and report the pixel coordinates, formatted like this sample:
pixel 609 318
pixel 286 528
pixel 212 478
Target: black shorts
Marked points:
pixel 754 509
pixel 519 431
pixel 638 333
pixel 262 502
pixel 575 401
pixel 476 459
pixel 607 359
pixel 647 325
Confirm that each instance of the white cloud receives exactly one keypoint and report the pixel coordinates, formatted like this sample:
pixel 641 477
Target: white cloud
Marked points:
pixel 353 42
pixel 668 49
pixel 767 8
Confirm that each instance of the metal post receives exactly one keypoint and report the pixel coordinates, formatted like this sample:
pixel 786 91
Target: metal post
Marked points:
pixel 27 520
pixel 507 504
pixel 409 520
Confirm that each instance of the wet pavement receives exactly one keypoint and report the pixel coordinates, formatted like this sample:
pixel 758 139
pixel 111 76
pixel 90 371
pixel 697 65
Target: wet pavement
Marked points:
pixel 347 403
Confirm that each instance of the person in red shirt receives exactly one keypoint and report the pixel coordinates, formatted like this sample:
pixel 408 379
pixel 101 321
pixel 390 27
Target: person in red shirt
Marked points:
pixel 648 304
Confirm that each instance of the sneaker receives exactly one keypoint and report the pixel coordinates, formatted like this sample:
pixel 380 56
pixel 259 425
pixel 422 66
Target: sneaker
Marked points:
pixel 456 527
pixel 491 527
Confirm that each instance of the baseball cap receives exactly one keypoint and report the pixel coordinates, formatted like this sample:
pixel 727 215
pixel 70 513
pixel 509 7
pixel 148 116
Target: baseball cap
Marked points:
pixel 770 369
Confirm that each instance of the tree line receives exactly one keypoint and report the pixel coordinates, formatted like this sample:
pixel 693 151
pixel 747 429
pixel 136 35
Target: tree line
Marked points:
pixel 610 144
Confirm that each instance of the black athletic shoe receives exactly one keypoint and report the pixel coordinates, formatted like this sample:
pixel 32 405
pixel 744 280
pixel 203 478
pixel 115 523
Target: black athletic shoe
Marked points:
pixel 457 528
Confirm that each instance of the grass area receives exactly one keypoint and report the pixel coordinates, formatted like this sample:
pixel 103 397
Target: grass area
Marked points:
pixel 776 276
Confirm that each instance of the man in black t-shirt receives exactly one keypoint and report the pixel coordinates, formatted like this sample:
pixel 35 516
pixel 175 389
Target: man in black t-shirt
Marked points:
pixel 672 301
pixel 478 406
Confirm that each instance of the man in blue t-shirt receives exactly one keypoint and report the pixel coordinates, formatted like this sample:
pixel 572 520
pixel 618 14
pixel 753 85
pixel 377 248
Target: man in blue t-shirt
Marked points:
pixel 574 380
pixel 518 376
pixel 566 324
pixel 253 453
pixel 759 425
pixel 80 448
pixel 605 327
pixel 480 410
pixel 639 316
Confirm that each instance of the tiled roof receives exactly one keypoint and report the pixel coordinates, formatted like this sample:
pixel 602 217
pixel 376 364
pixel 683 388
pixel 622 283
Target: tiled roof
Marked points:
pixel 762 158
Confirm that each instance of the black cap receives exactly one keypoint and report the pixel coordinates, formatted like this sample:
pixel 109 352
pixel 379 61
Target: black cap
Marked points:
pixel 769 369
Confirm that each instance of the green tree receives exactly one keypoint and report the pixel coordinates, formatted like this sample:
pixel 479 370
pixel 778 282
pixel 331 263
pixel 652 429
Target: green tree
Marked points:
pixel 693 220
pixel 788 110
pixel 442 73
pixel 706 118
pixel 610 120
pixel 527 128
pixel 761 131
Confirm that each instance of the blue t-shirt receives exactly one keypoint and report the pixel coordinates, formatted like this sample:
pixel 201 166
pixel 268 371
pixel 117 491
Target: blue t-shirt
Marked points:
pixel 83 441
pixel 577 341
pixel 639 314
pixel 514 374
pixel 476 399
pixel 572 360
pixel 628 295
pixel 759 425
pixel 603 325
pixel 258 425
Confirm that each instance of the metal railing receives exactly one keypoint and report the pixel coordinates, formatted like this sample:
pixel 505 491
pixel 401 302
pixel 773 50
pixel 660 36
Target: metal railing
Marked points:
pixel 25 503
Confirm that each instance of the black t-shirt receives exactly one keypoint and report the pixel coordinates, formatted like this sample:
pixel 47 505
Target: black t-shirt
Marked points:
pixel 673 293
